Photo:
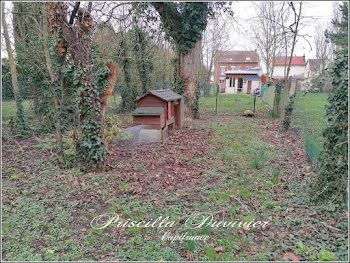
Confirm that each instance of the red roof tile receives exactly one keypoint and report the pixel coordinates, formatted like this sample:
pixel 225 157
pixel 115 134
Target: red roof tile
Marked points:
pixel 297 60
pixel 238 56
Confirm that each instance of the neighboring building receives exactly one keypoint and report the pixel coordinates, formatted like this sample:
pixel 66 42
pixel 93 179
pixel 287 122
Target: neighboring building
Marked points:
pixel 314 67
pixel 242 81
pixel 297 66
pixel 237 71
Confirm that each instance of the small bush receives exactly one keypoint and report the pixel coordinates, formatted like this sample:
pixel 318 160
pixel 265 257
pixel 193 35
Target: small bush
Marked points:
pixel 256 163
pixel 325 255
pixel 275 176
pixel 70 157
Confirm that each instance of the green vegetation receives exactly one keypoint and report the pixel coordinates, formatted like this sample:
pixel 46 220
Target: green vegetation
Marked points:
pixel 268 96
pixel 331 184
pixel 66 167
pixel 230 104
pixel 50 220
pixel 8 109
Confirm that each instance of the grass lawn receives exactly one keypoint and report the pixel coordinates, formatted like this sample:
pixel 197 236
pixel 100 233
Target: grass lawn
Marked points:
pixel 8 109
pixel 234 167
pixel 113 103
pixel 229 104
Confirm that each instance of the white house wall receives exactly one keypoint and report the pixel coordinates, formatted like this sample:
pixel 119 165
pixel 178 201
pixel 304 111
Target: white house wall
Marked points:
pixel 233 90
pixel 255 85
pixel 278 71
pixel 307 73
pixel 245 87
pixel 229 90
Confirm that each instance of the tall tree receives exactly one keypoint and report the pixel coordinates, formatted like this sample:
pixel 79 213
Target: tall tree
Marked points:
pixel 143 56
pixel 340 34
pixel 128 91
pixel 287 113
pixel 26 32
pixel 55 84
pixel 20 113
pixel 323 46
pixel 332 179
pixel 267 33
pixel 74 38
pixel 183 24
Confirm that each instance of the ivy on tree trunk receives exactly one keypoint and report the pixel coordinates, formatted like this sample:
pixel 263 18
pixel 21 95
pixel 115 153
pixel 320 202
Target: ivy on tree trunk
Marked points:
pixel 75 38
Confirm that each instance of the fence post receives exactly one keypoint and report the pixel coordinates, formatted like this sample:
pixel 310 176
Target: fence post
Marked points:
pixel 216 103
pixel 276 101
pixel 254 101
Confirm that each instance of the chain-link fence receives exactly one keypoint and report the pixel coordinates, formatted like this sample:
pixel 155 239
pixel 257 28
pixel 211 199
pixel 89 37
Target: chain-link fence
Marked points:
pixel 307 115
pixel 268 96
pixel 309 118
pixel 272 96
pixel 207 89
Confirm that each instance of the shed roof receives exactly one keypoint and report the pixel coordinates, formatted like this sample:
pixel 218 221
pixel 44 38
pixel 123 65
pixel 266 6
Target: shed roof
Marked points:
pixel 252 78
pixel 164 94
pixel 243 72
pixel 148 111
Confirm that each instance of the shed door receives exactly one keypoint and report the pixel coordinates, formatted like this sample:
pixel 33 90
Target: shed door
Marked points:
pixel 249 86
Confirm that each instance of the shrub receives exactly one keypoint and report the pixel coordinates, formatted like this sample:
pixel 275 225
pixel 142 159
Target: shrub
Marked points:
pixel 333 166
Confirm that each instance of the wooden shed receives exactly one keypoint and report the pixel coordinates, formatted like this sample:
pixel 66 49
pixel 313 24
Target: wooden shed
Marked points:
pixel 160 110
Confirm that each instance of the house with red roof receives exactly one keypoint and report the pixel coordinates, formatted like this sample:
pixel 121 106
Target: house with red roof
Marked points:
pixel 237 71
pixel 297 67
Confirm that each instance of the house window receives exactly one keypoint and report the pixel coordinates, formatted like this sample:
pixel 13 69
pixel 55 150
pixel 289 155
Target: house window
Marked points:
pixel 222 70
pixel 232 82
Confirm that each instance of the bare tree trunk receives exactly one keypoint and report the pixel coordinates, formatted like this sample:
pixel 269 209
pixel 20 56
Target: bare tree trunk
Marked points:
pixel 188 70
pixel 20 113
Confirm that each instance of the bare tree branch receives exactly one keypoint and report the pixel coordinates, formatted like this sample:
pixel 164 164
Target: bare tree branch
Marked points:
pixel 74 13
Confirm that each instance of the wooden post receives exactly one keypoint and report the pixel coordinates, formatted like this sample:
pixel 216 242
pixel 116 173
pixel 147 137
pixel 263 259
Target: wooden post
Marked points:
pixel 276 101
pixel 254 101
pixel 216 103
